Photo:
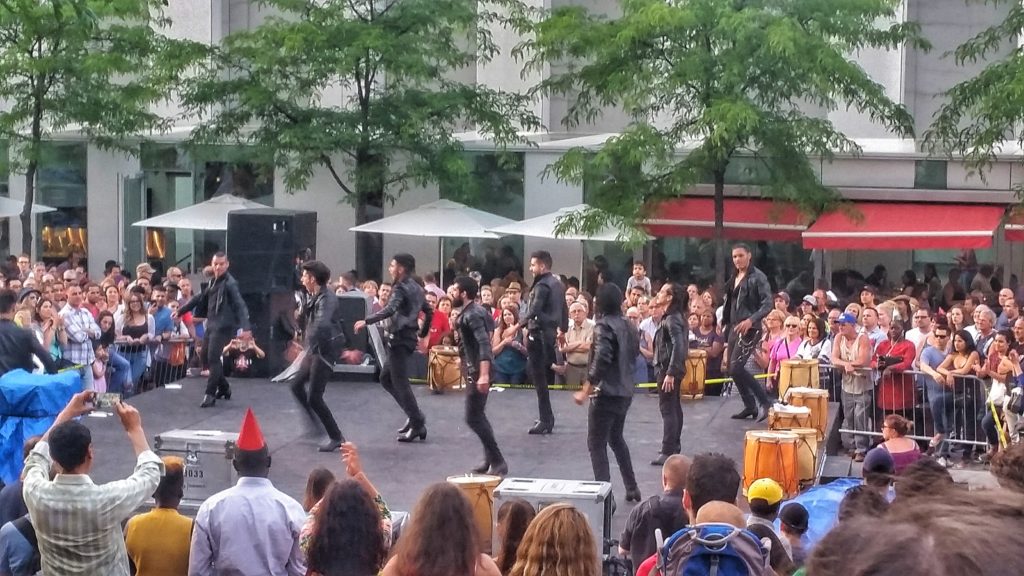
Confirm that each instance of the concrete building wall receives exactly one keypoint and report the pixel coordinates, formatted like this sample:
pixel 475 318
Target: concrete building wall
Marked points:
pixel 547 195
pixel 105 176
pixel 946 24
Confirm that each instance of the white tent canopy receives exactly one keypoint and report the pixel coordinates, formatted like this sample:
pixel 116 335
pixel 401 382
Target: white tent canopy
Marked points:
pixel 544 226
pixel 209 215
pixel 10 208
pixel 438 219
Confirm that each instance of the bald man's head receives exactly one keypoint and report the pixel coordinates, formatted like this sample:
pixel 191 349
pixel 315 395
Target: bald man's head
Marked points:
pixel 674 473
pixel 720 512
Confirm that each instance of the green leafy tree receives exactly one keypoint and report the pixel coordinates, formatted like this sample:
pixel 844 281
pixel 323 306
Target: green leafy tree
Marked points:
pixel 985 112
pixel 368 90
pixel 704 81
pixel 97 66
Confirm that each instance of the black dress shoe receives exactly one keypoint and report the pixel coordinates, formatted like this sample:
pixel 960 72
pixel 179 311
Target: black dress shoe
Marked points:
pixel 542 428
pixel 331 445
pixel 404 429
pixel 413 433
pixel 632 495
pixel 746 413
pixel 498 469
pixel 482 468
pixel 224 393
pixel 764 414
pixel 660 460
pixel 208 401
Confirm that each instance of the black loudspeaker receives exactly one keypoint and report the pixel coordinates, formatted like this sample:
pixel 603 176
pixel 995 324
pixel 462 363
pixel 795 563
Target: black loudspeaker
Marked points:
pixel 354 306
pixel 272 316
pixel 262 245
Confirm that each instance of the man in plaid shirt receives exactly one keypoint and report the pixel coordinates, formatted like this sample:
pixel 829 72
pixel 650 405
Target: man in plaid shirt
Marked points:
pixel 82 329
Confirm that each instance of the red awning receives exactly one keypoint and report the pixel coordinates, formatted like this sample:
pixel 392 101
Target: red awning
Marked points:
pixel 905 226
pixel 745 219
pixel 1015 227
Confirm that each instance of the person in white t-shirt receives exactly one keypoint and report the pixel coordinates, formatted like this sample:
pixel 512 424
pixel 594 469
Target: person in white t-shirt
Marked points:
pixel 919 334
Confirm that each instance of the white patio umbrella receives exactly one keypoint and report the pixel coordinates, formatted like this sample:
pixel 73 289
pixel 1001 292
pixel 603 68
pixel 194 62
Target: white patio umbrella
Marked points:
pixel 10 208
pixel 438 219
pixel 544 226
pixel 209 215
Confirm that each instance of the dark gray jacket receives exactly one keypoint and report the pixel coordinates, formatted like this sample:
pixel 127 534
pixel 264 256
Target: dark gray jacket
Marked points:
pixel 221 304
pixel 404 307
pixel 325 330
pixel 475 326
pixel 547 305
pixel 671 345
pixel 613 355
pixel 752 300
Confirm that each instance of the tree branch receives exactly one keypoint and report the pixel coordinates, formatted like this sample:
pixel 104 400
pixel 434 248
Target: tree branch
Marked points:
pixel 326 160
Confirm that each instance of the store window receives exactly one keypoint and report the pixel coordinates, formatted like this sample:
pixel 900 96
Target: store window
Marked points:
pixel 499 190
pixel 930 174
pixel 173 178
pixel 691 260
pixel 61 184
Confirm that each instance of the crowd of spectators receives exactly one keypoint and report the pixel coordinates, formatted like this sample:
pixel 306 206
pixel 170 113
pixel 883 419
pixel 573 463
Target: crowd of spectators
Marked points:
pixel 122 333
pixel 890 353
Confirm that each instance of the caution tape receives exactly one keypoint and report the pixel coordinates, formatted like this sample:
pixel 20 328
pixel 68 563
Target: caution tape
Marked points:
pixel 642 385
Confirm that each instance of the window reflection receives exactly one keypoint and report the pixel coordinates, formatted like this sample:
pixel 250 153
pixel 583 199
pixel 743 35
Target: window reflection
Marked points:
pixel 499 180
pixel 61 183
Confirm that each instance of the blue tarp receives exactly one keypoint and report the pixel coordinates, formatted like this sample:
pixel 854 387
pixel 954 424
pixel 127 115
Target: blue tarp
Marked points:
pixel 14 430
pixel 29 403
pixel 37 395
pixel 822 503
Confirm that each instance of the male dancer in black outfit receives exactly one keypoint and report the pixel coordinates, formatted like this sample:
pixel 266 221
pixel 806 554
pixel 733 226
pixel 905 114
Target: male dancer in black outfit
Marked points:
pixel 404 306
pixel 225 312
pixel 325 339
pixel 545 314
pixel 748 299
pixel 475 326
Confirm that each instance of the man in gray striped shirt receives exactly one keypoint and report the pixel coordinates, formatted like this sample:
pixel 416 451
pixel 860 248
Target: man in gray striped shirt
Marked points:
pixel 77 523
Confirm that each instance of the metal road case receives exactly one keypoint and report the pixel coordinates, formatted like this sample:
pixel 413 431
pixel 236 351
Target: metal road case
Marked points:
pixel 593 499
pixel 207 455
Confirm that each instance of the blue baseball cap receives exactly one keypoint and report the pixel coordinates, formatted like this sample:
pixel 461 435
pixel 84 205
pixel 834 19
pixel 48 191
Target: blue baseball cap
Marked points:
pixel 847 318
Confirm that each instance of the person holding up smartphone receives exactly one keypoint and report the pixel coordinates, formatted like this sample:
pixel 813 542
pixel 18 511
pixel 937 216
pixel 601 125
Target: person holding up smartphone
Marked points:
pixel 78 523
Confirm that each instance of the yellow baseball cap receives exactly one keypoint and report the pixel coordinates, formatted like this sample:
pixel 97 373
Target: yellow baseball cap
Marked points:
pixel 766 489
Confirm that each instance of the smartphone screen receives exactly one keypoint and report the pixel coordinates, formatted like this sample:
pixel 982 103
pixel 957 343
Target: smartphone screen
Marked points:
pixel 106 401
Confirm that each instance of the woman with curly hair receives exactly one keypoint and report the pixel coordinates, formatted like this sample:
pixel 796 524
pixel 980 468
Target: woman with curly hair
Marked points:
pixel 441 538
pixel 347 537
pixel 557 543
pixel 514 517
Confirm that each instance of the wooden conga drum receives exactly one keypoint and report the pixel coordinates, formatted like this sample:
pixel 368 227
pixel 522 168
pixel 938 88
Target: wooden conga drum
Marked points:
pixel 692 386
pixel 798 373
pixel 817 401
pixel 479 489
pixel 444 369
pixel 806 454
pixel 788 417
pixel 771 455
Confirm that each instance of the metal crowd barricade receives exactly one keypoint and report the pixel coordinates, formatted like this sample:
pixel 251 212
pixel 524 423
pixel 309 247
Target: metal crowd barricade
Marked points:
pixel 167 362
pixel 907 393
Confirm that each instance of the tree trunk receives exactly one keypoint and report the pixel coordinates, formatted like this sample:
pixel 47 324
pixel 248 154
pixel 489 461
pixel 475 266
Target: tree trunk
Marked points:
pixel 719 237
pixel 369 247
pixel 369 207
pixel 26 211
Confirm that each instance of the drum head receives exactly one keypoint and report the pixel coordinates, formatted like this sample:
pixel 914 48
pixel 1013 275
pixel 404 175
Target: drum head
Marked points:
pixel 772 437
pixel 474 479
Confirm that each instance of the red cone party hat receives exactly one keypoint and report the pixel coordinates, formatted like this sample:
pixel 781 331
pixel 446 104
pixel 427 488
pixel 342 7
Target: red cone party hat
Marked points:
pixel 251 437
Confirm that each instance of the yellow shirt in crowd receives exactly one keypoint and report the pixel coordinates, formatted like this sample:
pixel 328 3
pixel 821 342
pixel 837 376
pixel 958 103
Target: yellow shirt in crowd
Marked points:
pixel 158 542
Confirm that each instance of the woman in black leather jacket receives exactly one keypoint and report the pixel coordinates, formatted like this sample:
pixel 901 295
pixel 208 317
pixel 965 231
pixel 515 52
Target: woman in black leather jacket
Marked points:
pixel 610 376
pixel 671 345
